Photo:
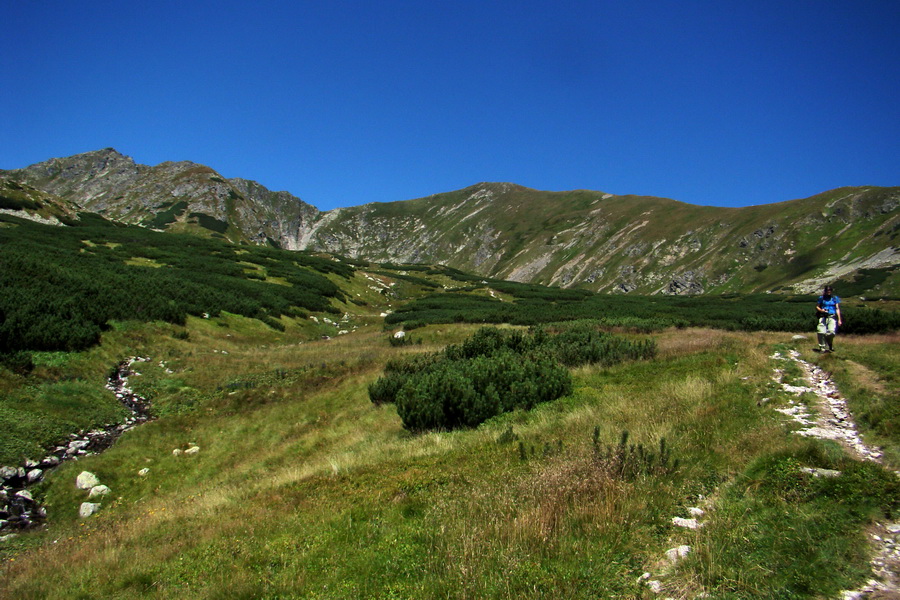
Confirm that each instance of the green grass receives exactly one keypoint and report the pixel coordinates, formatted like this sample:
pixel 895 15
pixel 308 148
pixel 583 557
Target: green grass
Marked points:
pixel 36 418
pixel 304 489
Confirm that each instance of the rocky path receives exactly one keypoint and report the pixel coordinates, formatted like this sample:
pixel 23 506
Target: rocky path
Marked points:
pixel 18 509
pixel 830 419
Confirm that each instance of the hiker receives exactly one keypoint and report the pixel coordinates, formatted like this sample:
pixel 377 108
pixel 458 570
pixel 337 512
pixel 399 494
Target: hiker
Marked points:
pixel 828 312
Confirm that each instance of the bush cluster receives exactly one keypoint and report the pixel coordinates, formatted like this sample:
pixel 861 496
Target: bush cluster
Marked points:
pixel 61 286
pixel 533 305
pixel 494 371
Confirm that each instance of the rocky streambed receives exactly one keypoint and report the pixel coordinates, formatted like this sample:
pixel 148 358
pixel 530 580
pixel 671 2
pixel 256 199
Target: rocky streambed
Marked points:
pixel 18 508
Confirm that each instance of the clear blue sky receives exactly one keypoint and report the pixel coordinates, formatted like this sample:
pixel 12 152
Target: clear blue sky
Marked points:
pixel 341 103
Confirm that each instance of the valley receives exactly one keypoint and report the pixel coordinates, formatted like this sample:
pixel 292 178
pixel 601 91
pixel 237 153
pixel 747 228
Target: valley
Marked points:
pixel 272 468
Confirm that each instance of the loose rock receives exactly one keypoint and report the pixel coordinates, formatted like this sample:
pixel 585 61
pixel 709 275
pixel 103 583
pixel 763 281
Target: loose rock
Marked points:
pixel 98 490
pixel 689 523
pixel 676 554
pixel 86 480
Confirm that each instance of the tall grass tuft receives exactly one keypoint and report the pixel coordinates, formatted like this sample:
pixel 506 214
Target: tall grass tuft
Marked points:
pixel 629 461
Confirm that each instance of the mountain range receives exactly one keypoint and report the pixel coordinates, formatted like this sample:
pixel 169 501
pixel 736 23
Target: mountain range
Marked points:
pixel 587 239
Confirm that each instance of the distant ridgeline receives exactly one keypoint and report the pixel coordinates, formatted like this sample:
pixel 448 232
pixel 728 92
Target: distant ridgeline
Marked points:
pixel 572 239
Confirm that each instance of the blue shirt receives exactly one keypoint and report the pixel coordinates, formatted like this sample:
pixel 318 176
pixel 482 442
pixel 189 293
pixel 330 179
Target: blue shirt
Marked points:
pixel 829 304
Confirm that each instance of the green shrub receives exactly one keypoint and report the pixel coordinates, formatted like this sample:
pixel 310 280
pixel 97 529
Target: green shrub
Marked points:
pixel 60 287
pixel 494 371
pixel 385 389
pixel 534 305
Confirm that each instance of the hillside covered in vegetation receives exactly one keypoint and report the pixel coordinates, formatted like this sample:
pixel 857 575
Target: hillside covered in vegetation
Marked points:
pixel 378 430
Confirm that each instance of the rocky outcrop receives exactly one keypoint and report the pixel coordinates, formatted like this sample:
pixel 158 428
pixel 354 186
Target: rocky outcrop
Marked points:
pixel 185 193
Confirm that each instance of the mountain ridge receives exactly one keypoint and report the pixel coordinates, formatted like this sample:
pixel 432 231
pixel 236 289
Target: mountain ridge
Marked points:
pixel 577 238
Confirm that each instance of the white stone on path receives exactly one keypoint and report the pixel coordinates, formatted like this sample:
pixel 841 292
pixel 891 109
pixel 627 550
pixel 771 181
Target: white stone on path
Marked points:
pixel 689 523
pixel 675 554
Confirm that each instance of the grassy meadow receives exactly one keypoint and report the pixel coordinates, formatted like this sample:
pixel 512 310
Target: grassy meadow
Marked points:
pixel 304 488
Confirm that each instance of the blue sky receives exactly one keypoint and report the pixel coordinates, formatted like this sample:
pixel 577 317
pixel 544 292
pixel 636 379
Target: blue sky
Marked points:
pixel 341 103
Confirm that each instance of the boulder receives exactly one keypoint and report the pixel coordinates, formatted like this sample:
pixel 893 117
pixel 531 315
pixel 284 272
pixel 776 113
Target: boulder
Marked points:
pixel 143 471
pixel 86 480
pixel 78 444
pixel 192 450
pixel 35 475
pixel 87 509
pixel 98 490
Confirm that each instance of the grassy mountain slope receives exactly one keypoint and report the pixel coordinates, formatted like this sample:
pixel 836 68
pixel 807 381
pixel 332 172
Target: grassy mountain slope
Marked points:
pixel 23 200
pixel 630 243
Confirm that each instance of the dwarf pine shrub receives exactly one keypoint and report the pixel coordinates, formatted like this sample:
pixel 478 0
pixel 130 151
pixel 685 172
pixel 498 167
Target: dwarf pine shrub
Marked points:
pixel 494 371
pixel 465 393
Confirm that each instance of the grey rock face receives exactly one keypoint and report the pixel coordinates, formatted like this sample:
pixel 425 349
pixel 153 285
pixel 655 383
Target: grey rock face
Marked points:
pixel 113 185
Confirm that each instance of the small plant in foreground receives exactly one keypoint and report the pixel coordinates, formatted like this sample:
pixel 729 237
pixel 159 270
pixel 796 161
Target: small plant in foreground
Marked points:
pixel 629 461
